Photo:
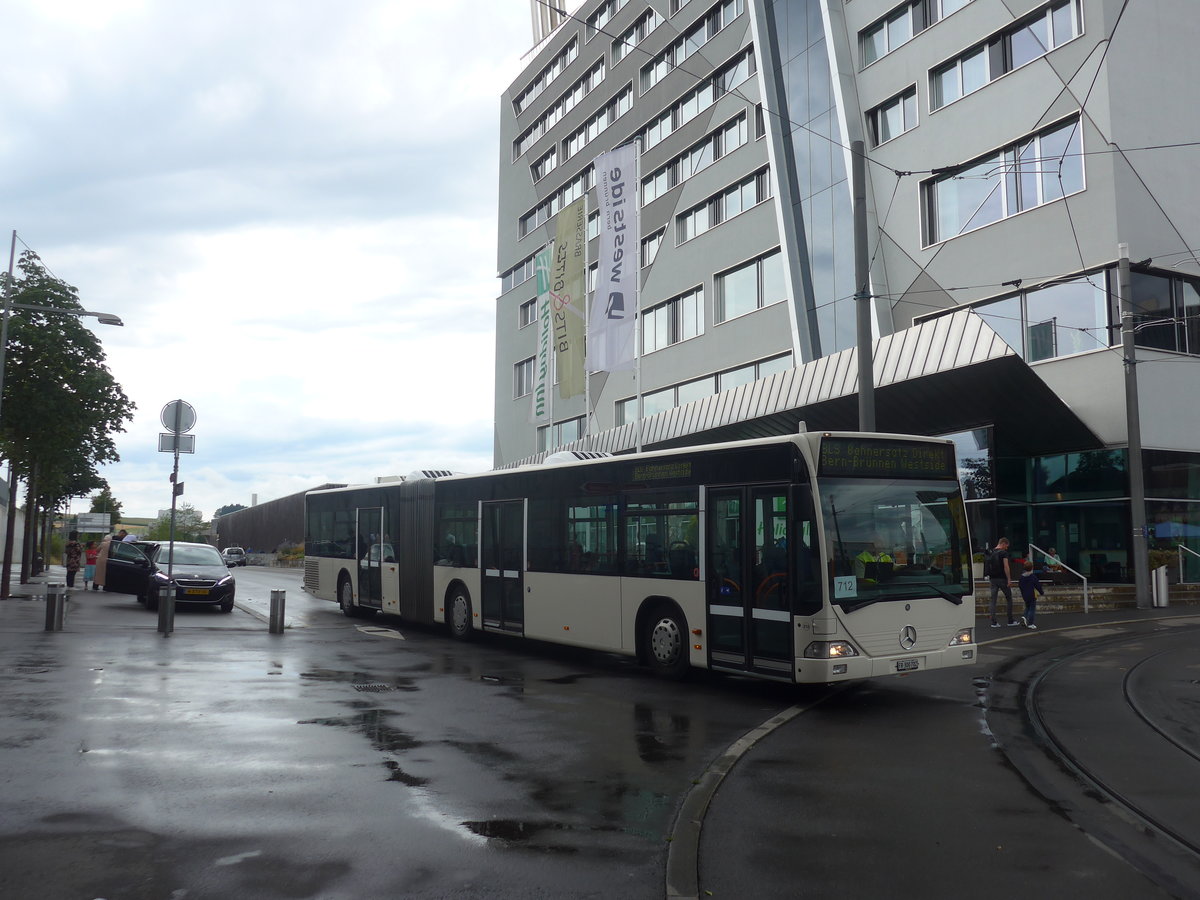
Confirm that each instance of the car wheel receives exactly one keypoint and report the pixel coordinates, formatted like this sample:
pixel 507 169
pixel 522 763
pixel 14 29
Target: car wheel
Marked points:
pixel 459 620
pixel 665 637
pixel 227 605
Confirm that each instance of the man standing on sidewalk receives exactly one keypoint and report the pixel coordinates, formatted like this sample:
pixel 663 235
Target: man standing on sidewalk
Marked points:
pixel 1000 576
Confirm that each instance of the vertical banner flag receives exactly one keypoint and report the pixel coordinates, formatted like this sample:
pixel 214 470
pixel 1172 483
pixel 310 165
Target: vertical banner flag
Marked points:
pixel 611 323
pixel 568 298
pixel 540 413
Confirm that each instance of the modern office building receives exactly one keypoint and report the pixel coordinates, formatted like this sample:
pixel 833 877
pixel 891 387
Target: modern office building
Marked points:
pixel 1012 146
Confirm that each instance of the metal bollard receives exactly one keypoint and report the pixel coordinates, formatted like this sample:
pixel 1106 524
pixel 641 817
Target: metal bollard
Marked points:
pixel 166 608
pixel 278 602
pixel 56 601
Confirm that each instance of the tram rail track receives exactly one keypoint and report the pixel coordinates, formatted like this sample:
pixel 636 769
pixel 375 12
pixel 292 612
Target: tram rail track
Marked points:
pixel 1057 744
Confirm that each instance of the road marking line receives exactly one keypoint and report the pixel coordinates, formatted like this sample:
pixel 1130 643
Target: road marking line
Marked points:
pixel 377 631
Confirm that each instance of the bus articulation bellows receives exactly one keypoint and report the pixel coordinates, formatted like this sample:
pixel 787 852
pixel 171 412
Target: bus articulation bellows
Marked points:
pixel 813 557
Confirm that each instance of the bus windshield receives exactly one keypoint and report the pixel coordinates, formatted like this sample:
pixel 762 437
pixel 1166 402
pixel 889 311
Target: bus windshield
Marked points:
pixel 895 539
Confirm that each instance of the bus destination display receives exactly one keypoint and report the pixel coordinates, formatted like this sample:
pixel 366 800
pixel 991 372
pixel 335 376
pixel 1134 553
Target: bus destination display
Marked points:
pixel 876 458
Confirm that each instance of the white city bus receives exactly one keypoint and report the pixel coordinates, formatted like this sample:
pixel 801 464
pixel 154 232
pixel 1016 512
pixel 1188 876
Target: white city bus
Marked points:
pixel 813 557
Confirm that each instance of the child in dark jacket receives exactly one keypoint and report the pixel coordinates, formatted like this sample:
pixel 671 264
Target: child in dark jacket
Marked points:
pixel 1030 588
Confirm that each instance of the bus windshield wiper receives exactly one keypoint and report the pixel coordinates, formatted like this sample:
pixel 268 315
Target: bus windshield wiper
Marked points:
pixel 956 599
pixel 862 603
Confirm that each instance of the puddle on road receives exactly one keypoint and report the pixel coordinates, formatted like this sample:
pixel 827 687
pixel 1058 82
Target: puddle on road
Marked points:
pixel 403 777
pixel 371 722
pixel 569 679
pixel 512 831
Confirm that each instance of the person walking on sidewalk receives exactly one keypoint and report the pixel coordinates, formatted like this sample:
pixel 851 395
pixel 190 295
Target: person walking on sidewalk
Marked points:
pixel 1030 586
pixel 90 552
pixel 1000 577
pixel 72 557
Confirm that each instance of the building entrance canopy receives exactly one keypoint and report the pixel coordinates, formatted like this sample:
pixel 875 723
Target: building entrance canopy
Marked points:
pixel 940 377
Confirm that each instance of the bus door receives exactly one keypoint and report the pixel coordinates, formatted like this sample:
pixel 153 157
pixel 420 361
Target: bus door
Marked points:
pixel 502 554
pixel 370 553
pixel 748 579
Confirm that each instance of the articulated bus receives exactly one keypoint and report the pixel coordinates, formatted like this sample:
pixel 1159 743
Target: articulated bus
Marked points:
pixel 813 557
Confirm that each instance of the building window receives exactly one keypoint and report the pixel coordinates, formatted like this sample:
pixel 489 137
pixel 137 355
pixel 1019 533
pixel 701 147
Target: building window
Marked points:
pixel 1032 172
pixel 523 378
pixel 650 246
pixel 1059 319
pixel 568 193
pixel 1166 312
pixel 701 155
pixel 527 313
pixel 518 274
pixel 699 98
pixel 601 17
pixel 900 26
pixel 703 31
pixel 563 433
pixel 1065 318
pixel 625 411
pixel 893 117
pixel 563 105
pixel 676 320
pixel 721 207
pixel 545 165
pixel 634 35
pixel 1031 38
pixel 546 76
pixel 590 130
pixel 750 286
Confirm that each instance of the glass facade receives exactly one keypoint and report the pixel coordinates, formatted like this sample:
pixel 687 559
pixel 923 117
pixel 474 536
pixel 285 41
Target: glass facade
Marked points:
pixel 1173 511
pixel 1075 506
pixel 816 165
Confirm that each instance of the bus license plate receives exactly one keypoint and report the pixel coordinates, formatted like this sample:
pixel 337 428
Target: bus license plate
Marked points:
pixel 204 591
pixel 907 665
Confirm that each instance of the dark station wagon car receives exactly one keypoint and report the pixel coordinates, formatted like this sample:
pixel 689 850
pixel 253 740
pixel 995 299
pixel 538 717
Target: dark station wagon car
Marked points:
pixel 199 574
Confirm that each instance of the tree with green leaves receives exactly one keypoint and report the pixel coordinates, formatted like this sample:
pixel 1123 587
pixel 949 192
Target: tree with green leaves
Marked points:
pixel 61 405
pixel 189 525
pixel 228 508
pixel 105 502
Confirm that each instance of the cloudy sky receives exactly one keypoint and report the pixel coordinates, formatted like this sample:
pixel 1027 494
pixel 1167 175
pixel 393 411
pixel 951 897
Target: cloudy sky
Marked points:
pixel 292 206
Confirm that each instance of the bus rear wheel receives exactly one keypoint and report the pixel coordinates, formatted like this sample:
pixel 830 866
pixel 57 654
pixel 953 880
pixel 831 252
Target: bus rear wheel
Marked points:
pixel 459 618
pixel 666 643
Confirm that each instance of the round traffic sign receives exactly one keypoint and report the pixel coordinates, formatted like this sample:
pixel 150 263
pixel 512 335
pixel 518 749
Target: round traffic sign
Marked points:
pixel 178 417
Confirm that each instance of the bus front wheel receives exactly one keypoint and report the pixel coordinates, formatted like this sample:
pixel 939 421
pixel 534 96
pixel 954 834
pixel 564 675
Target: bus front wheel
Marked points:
pixel 346 599
pixel 459 619
pixel 666 643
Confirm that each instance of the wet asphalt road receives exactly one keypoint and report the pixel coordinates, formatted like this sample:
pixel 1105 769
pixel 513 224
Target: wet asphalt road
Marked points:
pixel 350 759
pixel 337 760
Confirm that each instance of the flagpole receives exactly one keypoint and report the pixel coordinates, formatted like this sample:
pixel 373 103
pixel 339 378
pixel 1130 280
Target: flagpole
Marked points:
pixel 637 317
pixel 587 326
pixel 552 365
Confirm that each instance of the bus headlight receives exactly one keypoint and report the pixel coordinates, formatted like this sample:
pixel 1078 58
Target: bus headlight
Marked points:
pixel 829 650
pixel 964 636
